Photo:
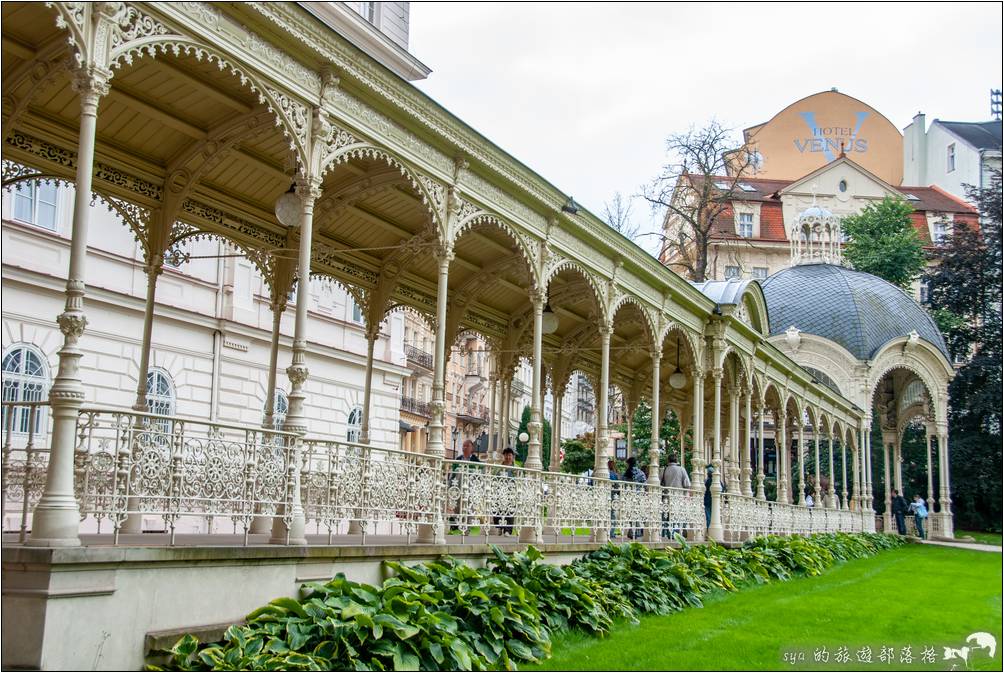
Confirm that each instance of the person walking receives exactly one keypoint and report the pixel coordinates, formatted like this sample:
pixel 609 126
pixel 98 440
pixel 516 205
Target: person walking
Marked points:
pixel 899 510
pixel 673 476
pixel 919 509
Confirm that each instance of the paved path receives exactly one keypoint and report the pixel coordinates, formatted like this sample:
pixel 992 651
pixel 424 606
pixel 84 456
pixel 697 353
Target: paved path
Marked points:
pixel 964 545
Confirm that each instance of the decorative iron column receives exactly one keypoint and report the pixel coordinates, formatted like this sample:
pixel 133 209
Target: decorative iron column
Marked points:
pixel 153 268
pixel 715 530
pixel 760 493
pixel 56 517
pixel 653 447
pixel 697 461
pixel 372 334
pixel 831 491
pixel 744 455
pixel 781 441
pixel 928 434
pixel 817 492
pixel 733 458
pixel 535 426
pixel 887 517
pixel 843 473
pixel 945 484
pixel 437 446
pixel 556 415
pixel 296 419
pixel 278 306
pixel 801 463
pixel 600 469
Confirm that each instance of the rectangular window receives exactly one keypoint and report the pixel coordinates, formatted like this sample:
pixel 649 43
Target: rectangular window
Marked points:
pixel 370 11
pixel 925 293
pixel 950 158
pixel 35 203
pixel 759 272
pixel 731 272
pixel 357 313
pixel 746 225
pixel 940 231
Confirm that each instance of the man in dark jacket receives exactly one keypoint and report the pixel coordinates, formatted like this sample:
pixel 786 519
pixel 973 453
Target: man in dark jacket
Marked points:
pixel 899 508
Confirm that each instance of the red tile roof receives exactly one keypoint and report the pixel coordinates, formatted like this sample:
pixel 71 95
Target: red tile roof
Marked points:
pixel 927 199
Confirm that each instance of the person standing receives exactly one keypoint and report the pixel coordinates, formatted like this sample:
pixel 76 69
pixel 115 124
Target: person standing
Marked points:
pixel 503 521
pixel 614 495
pixel 468 456
pixel 632 473
pixel 919 509
pixel 899 509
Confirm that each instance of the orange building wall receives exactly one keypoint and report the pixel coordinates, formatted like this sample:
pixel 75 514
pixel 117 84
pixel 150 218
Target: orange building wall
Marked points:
pixel 808 134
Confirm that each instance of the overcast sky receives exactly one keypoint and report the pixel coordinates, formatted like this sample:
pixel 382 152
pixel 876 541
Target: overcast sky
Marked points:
pixel 585 94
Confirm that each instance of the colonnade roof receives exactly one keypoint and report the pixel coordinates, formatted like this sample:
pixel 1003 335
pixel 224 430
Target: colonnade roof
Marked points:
pixel 212 110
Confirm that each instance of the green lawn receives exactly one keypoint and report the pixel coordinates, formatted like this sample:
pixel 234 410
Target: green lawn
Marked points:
pixel 980 536
pixel 917 596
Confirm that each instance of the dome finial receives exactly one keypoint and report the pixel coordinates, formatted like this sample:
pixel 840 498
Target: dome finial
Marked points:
pixel 816 237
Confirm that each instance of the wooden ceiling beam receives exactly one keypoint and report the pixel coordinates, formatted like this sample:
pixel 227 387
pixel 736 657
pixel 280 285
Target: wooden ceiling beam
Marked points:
pixel 157 114
pixel 210 92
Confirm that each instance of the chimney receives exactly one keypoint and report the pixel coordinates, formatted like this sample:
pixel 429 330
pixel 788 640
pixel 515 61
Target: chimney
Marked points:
pixel 915 152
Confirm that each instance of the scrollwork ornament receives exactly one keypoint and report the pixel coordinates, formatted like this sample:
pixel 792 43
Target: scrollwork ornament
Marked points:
pixel 297 374
pixel 72 324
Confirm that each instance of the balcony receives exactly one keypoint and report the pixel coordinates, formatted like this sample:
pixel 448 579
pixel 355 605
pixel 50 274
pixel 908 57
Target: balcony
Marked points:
pixel 413 406
pixel 417 357
pixel 519 389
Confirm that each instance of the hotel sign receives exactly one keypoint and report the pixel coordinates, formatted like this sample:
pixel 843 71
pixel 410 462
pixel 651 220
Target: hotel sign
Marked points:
pixel 832 140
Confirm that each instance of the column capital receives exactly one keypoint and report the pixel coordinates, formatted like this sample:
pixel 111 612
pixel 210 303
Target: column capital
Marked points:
pixel 91 82
pixel 656 357
pixel 443 252
pixel 718 373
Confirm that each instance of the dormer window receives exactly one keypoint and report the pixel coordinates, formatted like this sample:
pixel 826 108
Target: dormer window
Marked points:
pixel 746 225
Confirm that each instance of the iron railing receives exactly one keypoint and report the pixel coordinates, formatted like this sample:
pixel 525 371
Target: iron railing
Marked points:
pixel 172 475
pixel 417 356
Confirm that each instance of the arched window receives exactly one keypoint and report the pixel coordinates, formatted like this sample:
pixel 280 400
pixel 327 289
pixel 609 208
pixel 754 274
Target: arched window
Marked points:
pixel 355 424
pixel 25 379
pixel 160 392
pixel 280 408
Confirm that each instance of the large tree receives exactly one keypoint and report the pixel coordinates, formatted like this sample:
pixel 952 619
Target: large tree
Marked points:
pixel 964 291
pixel 882 241
pixel 694 189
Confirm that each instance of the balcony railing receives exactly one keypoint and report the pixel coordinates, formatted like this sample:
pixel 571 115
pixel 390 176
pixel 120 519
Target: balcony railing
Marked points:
pixel 413 406
pixel 178 476
pixel 519 389
pixel 418 357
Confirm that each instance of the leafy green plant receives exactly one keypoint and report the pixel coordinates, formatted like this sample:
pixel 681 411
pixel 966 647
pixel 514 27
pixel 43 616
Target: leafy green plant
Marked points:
pixel 446 615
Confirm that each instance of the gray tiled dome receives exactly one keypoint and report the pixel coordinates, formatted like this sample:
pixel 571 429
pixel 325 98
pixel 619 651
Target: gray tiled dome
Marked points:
pixel 859 311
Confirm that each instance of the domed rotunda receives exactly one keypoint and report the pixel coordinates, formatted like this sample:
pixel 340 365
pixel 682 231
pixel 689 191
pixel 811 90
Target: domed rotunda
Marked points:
pixel 871 342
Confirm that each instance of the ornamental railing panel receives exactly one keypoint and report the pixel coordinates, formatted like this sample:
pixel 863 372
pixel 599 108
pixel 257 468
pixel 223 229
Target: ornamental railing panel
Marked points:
pixel 348 488
pixel 134 464
pixel 139 472
pixel 26 432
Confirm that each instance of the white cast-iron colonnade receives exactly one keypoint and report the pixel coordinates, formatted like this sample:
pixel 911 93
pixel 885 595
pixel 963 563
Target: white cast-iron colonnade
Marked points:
pixel 192 120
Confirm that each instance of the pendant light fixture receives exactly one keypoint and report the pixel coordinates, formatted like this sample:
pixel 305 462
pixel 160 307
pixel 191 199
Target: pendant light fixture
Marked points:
pixel 288 207
pixel 677 379
pixel 550 320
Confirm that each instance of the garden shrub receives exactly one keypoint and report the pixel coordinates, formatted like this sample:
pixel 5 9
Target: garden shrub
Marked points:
pixel 445 615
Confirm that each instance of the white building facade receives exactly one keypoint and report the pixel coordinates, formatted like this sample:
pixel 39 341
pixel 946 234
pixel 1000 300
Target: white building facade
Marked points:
pixel 212 326
pixel 951 154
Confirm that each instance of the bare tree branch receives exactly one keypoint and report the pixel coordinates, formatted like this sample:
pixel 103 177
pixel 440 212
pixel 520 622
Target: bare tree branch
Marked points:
pixel 617 213
pixel 694 189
